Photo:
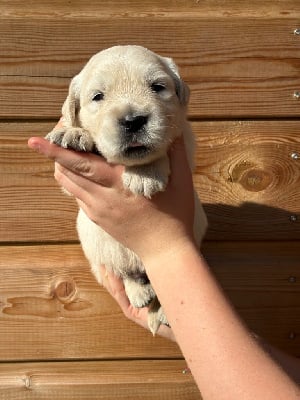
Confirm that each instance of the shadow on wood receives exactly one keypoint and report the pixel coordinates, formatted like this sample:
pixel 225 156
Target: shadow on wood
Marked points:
pixel 251 221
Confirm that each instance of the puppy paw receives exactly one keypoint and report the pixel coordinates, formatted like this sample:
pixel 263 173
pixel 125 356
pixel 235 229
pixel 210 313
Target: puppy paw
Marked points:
pixel 143 185
pixel 139 295
pixel 156 316
pixel 147 179
pixel 72 138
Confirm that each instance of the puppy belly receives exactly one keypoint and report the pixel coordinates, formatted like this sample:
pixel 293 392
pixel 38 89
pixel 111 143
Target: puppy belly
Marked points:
pixel 100 248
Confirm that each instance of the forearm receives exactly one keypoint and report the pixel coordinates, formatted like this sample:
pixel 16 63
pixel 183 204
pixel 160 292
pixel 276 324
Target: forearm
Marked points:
pixel 288 362
pixel 225 360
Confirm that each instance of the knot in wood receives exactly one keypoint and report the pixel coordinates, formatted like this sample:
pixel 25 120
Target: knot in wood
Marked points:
pixel 256 180
pixel 251 177
pixel 65 290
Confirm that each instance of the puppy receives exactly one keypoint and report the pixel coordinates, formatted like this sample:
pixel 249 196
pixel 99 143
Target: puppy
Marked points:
pixel 129 105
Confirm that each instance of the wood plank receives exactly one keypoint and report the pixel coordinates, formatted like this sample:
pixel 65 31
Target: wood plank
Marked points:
pixel 262 280
pixel 233 65
pixel 48 298
pixel 53 308
pixel 245 175
pixel 159 380
pixel 247 178
pixel 33 208
pixel 211 8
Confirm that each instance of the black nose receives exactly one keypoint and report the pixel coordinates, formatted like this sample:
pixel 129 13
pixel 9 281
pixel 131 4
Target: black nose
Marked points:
pixel 133 123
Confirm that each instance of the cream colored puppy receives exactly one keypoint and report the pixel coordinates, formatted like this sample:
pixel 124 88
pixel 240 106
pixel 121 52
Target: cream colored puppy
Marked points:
pixel 128 104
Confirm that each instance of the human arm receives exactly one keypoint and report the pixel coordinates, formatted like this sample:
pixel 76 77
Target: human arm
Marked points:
pixel 225 359
pixel 227 363
pixel 115 287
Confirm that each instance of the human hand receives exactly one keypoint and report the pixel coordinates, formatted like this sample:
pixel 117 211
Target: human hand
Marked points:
pixel 115 287
pixel 147 227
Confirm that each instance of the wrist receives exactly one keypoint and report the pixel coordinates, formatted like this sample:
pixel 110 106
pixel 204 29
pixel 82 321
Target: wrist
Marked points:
pixel 170 252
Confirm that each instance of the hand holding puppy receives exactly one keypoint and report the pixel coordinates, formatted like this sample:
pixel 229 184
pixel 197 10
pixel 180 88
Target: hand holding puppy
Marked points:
pixel 135 221
pixel 148 227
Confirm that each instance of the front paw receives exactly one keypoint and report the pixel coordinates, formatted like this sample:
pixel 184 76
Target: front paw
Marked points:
pixel 143 185
pixel 147 179
pixel 71 138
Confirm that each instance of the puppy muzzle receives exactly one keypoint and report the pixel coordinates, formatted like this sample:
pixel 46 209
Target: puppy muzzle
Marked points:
pixel 133 123
pixel 134 134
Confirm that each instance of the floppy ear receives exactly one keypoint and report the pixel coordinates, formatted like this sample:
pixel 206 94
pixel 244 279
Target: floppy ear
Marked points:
pixel 182 89
pixel 71 105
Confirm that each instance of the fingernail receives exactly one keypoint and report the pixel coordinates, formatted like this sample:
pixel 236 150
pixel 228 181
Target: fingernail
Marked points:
pixel 34 145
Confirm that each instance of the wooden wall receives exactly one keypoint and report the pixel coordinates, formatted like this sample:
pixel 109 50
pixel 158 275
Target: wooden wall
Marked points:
pixel 61 335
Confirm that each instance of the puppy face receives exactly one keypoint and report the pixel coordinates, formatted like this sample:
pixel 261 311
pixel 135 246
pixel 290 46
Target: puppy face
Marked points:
pixel 132 102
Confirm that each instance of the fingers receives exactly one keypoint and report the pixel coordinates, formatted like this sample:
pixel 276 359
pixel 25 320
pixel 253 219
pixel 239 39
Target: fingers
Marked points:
pixel 72 186
pixel 111 282
pixel 90 166
pixel 115 287
pixel 68 158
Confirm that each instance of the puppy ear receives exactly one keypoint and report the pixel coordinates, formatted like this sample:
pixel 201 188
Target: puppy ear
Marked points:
pixel 182 89
pixel 71 106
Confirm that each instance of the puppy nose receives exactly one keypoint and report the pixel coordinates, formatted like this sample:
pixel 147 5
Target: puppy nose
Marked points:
pixel 133 123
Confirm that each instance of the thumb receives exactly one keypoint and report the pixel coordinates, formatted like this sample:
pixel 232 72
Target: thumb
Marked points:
pixel 179 163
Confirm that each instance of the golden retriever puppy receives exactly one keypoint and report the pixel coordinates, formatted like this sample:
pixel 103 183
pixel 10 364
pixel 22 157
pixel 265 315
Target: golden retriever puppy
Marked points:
pixel 128 104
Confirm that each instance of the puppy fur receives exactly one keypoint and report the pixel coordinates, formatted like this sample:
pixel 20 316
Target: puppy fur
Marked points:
pixel 128 104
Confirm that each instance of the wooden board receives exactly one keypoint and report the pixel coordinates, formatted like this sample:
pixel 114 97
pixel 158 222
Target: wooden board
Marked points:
pixel 248 178
pixel 245 176
pixel 230 58
pixel 159 380
pixel 52 307
pixel 33 208
pixel 209 8
pixel 262 280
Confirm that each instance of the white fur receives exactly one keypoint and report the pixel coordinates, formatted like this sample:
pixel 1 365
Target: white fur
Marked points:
pixel 127 79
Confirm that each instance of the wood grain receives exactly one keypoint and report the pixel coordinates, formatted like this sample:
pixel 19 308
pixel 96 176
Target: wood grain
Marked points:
pixel 233 65
pixel 32 205
pixel 245 176
pixel 53 308
pixel 204 9
pixel 160 380
pixel 262 281
pixel 48 298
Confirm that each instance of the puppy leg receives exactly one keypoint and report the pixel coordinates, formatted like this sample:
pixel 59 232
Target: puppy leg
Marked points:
pixel 147 179
pixel 72 138
pixel 139 294
pixel 156 316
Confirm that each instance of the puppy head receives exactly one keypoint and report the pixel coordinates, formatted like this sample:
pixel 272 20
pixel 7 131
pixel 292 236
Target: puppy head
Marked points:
pixel 132 101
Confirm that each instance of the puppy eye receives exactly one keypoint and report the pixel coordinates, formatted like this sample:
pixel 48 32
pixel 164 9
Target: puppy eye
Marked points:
pixel 98 96
pixel 157 87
